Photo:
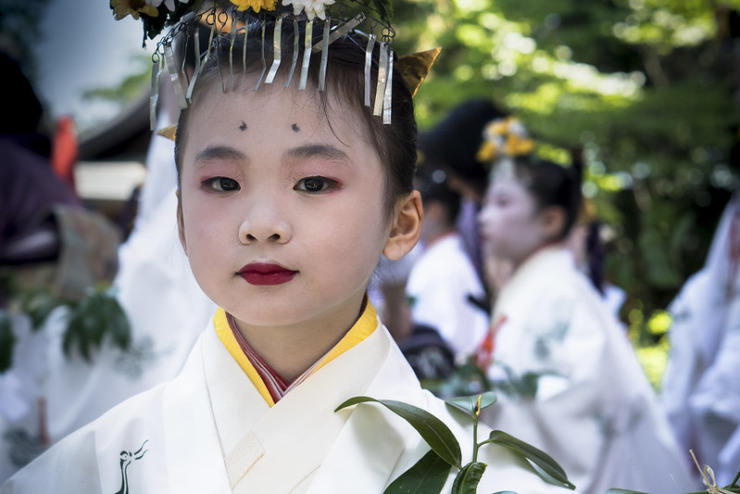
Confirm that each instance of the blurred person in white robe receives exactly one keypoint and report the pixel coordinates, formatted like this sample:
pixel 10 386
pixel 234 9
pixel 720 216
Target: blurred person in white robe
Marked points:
pixel 569 380
pixel 700 389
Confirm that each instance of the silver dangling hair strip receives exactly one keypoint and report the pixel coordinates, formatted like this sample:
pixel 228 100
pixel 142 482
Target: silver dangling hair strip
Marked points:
pixel 277 38
pixel 294 61
pixel 154 94
pixel 306 55
pixel 184 84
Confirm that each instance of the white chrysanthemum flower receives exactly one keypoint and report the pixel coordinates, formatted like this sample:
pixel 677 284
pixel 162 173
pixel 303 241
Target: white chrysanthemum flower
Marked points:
pixel 313 8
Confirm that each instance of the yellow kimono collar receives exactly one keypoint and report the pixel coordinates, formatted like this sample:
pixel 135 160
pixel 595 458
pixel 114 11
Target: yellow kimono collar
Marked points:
pixel 364 327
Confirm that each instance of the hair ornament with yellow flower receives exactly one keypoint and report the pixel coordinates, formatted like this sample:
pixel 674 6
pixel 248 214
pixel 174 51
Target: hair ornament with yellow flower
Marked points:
pixel 238 18
pixel 504 139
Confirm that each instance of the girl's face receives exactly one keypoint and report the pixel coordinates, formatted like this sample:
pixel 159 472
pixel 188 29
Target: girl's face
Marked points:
pixel 511 225
pixel 281 216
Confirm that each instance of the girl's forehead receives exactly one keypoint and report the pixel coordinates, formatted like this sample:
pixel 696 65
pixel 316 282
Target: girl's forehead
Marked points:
pixel 301 110
pixel 274 123
pixel 508 185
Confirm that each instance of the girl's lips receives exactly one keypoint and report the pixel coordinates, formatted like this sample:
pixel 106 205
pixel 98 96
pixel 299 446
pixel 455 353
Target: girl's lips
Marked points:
pixel 262 274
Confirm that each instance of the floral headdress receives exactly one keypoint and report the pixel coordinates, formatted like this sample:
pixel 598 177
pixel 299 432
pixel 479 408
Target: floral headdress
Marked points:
pixel 234 17
pixel 503 140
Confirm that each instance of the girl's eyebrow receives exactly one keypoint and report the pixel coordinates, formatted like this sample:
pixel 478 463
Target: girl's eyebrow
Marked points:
pixel 219 152
pixel 318 150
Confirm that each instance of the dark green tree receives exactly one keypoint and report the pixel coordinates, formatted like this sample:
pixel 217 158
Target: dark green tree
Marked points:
pixel 642 88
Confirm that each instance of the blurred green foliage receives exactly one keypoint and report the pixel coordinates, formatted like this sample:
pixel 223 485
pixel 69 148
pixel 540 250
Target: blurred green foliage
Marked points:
pixel 90 322
pixel 130 88
pixel 643 88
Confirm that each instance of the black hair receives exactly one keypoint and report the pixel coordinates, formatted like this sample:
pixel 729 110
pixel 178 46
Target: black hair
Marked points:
pixel 345 83
pixel 595 255
pixel 432 185
pixel 454 142
pixel 552 185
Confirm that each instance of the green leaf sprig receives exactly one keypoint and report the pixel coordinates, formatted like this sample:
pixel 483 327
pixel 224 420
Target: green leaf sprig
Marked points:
pixel 429 474
pixel 94 318
pixel 90 321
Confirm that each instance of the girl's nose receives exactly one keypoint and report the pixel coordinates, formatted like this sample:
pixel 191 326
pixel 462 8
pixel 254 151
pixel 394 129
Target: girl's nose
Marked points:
pixel 264 225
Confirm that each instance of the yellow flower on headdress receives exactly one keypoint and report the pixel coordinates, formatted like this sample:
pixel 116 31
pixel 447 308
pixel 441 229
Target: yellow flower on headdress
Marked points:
pixel 504 138
pixel 499 126
pixel 487 152
pixel 518 146
pixel 122 8
pixel 255 5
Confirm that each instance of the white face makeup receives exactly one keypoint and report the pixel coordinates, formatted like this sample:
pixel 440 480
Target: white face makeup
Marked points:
pixel 509 221
pixel 282 217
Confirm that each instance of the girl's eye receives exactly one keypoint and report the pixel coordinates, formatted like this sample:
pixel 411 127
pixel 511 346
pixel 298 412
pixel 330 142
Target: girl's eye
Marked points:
pixel 500 200
pixel 315 184
pixel 221 184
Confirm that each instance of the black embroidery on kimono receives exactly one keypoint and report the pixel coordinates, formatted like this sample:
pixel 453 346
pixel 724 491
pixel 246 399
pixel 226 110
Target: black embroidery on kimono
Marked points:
pixel 126 458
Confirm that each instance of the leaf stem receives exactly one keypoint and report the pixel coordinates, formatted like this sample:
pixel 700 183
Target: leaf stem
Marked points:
pixel 476 418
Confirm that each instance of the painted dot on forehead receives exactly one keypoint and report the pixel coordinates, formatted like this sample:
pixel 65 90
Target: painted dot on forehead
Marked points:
pixel 295 128
pixel 243 126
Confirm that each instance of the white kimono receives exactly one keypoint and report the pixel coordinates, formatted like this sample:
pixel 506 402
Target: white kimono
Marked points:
pixel 210 431
pixel 439 285
pixel 701 391
pixel 594 410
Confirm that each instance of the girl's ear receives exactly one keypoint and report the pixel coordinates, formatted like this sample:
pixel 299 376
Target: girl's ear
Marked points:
pixel 406 227
pixel 180 223
pixel 552 220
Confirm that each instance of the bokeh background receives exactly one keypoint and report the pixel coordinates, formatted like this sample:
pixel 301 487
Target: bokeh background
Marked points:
pixel 646 91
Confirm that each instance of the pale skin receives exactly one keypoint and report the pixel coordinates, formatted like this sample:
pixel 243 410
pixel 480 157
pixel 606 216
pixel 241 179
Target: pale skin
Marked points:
pixel 265 179
pixel 511 224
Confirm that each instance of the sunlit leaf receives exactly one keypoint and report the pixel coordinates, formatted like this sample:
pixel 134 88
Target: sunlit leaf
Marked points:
pixel 434 431
pixel 467 403
pixel 543 463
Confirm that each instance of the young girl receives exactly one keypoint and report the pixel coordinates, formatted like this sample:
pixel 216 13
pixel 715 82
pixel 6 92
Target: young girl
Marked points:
pixel 591 406
pixel 287 198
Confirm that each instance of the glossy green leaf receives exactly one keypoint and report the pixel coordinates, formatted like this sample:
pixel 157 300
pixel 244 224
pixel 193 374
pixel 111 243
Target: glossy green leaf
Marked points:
pixel 543 463
pixel 427 476
pixel 467 479
pixel 434 431
pixel 467 403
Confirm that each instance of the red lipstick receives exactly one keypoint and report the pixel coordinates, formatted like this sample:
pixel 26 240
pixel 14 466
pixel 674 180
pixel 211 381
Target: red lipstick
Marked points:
pixel 262 274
